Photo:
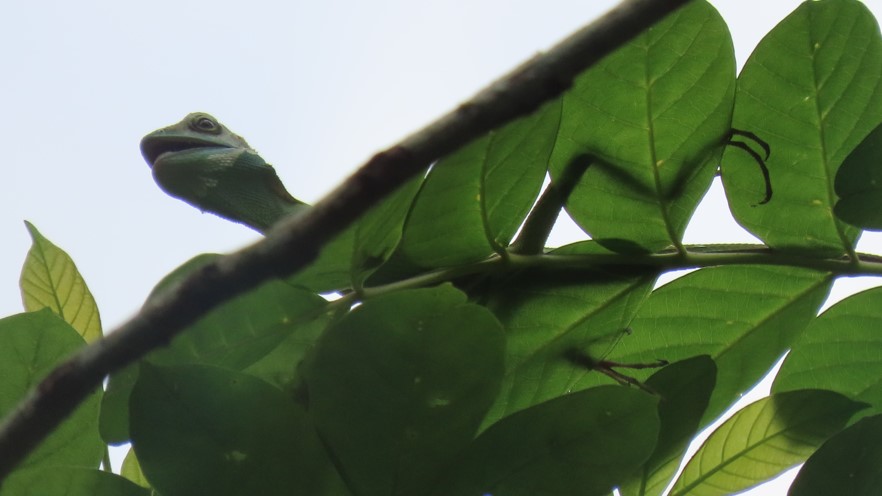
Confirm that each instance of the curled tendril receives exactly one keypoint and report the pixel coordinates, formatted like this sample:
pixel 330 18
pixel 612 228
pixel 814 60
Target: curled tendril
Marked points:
pixel 760 160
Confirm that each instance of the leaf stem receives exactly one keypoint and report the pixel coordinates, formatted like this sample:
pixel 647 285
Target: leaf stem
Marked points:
pixel 544 215
pixel 694 256
pixel 105 461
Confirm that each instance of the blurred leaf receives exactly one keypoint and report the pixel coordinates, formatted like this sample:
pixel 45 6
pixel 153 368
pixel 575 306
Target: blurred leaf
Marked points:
pixel 31 345
pixel 812 89
pixel 50 279
pixel 478 196
pixel 332 270
pixel 654 113
pixel 265 331
pixel 859 184
pixel 181 272
pixel 848 463
pixel 114 416
pixel 744 317
pixel 762 440
pixel 582 443
pixel 546 314
pixel 685 388
pixel 231 434
pixel 246 328
pixel 281 366
pixel 840 351
pixel 131 470
pixel 399 386
pixel 68 481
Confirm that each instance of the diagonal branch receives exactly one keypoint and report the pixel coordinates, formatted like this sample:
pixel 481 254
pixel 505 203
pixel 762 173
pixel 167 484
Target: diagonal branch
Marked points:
pixel 296 241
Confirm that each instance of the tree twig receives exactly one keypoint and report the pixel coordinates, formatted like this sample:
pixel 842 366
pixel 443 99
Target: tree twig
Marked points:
pixel 296 241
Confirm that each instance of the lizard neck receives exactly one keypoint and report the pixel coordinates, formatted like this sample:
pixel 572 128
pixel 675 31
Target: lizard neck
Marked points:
pixel 233 183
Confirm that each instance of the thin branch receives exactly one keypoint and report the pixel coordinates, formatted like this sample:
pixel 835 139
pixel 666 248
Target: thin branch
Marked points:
pixel 297 241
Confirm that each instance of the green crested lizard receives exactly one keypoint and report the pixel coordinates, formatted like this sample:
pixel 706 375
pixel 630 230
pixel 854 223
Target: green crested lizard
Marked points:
pixel 201 162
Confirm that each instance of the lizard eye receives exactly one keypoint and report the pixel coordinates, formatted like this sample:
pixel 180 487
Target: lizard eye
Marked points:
pixel 203 123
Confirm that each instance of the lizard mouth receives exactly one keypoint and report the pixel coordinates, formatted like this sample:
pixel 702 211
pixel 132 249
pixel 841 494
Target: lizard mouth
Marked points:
pixel 152 147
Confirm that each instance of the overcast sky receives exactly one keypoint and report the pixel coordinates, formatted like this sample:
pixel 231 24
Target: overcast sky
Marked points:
pixel 315 87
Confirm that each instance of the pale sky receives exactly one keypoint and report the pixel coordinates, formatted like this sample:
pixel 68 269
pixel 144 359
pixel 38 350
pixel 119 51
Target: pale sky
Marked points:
pixel 315 87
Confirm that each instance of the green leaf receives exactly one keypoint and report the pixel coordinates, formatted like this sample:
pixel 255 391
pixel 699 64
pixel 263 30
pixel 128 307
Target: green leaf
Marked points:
pixel 514 168
pixel 812 89
pixel 744 317
pixel 69 481
pixel 265 331
pixel 762 440
pixel 248 327
pixel 839 351
pixel 859 184
pixel 582 443
pixel 131 470
pixel 114 416
pixel 31 345
pixel 478 196
pixel 378 232
pixel 399 386
pixel 685 388
pixel 206 430
pixel 546 314
pixel 654 114
pixel 365 245
pixel 332 270
pixel 848 463
pixel 50 279
pixel 181 272
pixel 281 366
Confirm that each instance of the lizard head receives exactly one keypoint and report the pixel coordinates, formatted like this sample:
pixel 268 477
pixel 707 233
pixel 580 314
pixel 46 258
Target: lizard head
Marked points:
pixel 197 130
pixel 201 162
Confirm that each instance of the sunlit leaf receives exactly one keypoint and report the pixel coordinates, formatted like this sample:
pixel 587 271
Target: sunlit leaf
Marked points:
pixel 744 317
pixel 654 113
pixel 582 443
pixel 399 386
pixel 514 168
pixel 840 351
pixel 473 200
pixel 848 463
pixel 131 470
pixel 762 440
pixel 50 279
pixel 812 90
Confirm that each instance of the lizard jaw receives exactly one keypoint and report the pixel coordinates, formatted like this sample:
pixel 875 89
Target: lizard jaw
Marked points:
pixel 153 147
